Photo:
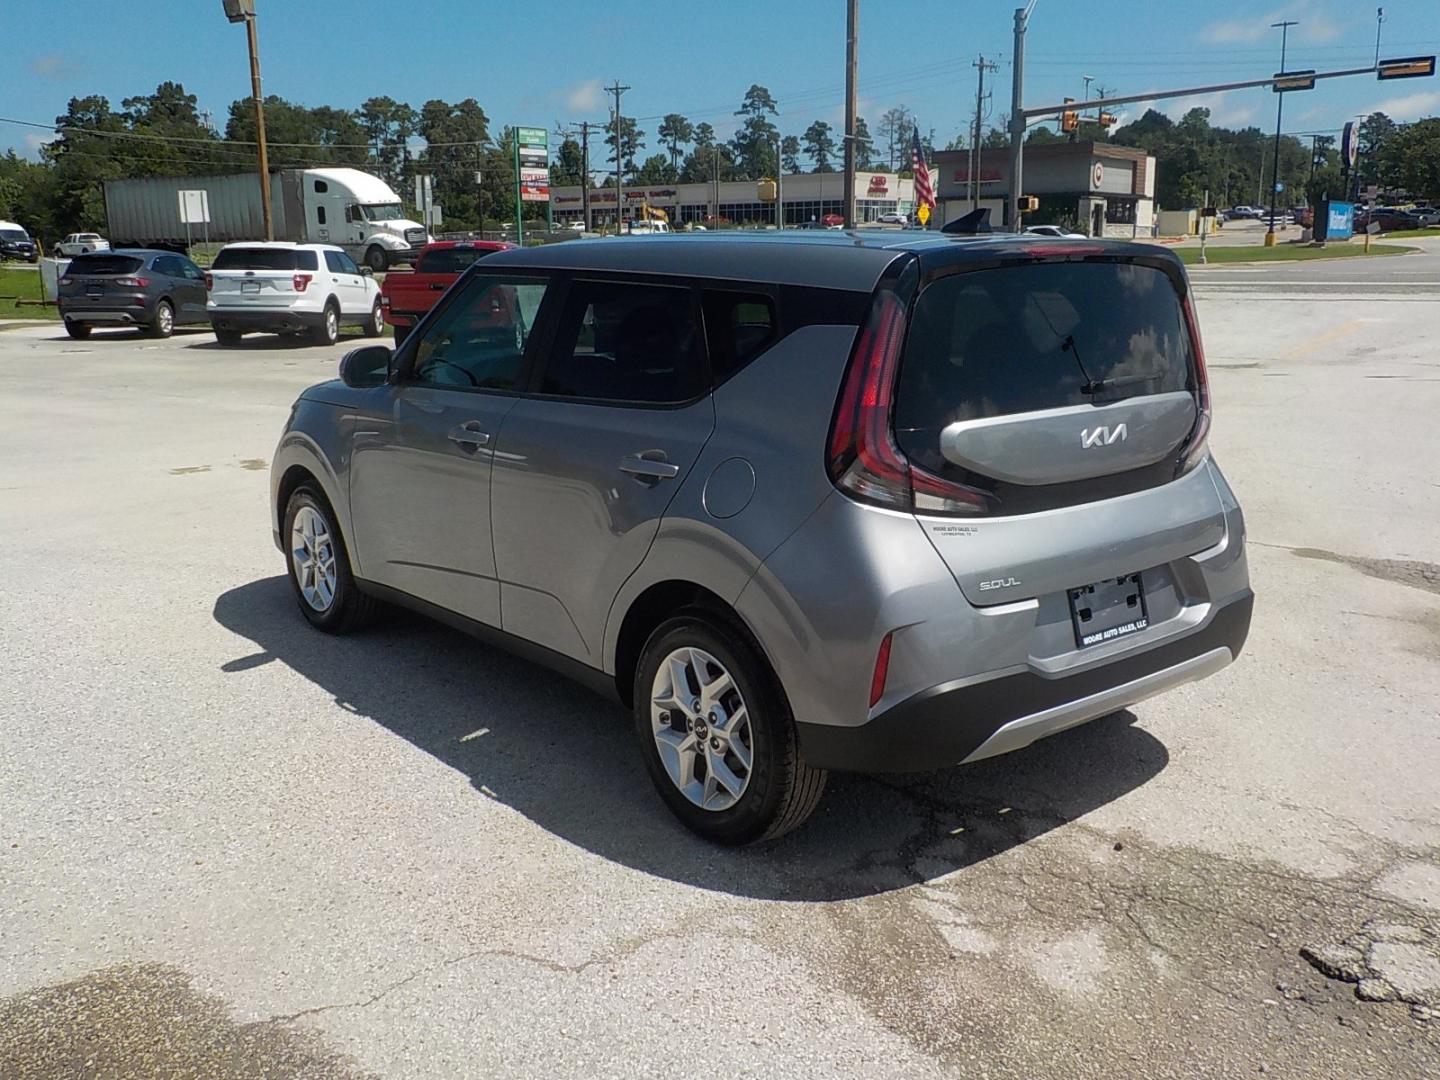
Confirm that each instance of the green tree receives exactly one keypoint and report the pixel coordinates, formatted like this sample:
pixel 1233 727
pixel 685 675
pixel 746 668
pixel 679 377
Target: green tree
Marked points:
pixel 656 169
pixel 754 142
pixel 790 154
pixel 455 137
pixel 864 151
pixel 675 131
pixel 632 141
pixel 568 167
pixel 1410 159
pixel 389 126
pixel 704 134
pixel 894 132
pixel 820 145
pixel 299 136
pixel 1375 130
pixel 700 164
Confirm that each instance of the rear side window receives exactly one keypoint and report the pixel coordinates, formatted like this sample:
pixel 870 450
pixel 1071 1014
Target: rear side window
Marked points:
pixel 254 258
pixel 449 260
pixel 105 264
pixel 1041 336
pixel 738 328
pixel 624 342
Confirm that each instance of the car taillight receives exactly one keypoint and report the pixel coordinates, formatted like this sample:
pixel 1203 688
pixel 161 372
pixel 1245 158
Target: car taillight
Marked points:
pixel 301 281
pixel 882 670
pixel 1200 433
pixel 66 281
pixel 864 460
pixel 133 282
pixel 209 281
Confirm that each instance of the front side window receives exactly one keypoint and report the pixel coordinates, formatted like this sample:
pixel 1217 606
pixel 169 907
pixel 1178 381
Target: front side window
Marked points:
pixel 332 263
pixel 624 342
pixel 478 341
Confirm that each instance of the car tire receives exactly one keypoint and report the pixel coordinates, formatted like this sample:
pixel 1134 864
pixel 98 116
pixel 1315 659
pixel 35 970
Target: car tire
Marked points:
pixel 162 323
pixel 318 565
pixel 377 259
pixel 77 330
pixel 401 333
pixel 375 325
pixel 226 337
pixel 778 789
pixel 327 330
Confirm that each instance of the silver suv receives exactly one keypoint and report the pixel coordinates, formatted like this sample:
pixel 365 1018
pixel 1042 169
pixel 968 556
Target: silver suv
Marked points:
pixel 811 502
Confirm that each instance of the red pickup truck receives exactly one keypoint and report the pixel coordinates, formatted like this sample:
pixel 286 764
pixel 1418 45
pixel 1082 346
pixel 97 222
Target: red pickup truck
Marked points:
pixel 405 297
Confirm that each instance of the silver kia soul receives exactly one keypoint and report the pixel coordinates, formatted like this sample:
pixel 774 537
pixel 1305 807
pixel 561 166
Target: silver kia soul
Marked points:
pixel 803 503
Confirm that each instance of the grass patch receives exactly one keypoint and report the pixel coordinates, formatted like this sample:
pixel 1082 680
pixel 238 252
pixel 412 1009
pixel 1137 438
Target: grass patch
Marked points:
pixel 1412 234
pixel 1296 253
pixel 22 285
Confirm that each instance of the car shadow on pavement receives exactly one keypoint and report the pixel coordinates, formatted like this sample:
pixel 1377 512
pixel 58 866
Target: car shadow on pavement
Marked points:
pixel 567 760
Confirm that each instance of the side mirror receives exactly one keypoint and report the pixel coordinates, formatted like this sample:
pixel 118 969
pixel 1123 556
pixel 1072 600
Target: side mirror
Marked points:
pixel 367 271
pixel 368 365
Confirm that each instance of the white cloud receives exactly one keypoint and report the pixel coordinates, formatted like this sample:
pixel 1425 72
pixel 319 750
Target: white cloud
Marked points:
pixel 584 97
pixel 1315 26
pixel 1410 106
pixel 48 66
pixel 1225 111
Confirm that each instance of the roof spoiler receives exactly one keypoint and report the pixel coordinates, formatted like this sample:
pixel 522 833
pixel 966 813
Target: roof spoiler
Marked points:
pixel 977 221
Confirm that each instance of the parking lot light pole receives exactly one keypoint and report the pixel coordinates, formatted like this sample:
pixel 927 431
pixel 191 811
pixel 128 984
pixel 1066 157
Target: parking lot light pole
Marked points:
pixel 1284 28
pixel 244 11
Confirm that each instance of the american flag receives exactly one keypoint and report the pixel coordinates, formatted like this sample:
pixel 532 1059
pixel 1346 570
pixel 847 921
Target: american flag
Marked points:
pixel 924 190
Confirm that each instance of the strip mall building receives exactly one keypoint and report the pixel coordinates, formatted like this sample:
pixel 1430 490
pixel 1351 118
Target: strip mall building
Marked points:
pixel 805 197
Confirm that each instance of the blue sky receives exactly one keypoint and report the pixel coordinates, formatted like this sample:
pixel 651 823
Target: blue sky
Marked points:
pixel 539 63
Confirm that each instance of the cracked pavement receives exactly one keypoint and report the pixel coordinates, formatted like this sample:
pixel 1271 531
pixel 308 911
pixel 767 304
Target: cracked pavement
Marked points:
pixel 232 847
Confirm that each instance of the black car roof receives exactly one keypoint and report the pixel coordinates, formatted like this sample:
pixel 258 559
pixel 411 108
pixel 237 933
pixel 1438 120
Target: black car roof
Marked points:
pixel 851 260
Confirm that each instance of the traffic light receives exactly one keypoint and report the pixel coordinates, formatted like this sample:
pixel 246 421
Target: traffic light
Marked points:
pixel 1028 204
pixel 1107 119
pixel 1069 120
pixel 1409 67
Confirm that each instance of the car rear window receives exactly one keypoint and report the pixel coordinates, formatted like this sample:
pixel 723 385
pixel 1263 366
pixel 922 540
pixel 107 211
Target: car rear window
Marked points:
pixel 450 260
pixel 1038 336
pixel 240 258
pixel 105 264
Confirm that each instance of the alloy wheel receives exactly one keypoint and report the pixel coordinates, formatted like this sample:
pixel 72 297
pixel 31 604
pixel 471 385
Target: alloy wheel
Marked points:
pixel 312 552
pixel 702 729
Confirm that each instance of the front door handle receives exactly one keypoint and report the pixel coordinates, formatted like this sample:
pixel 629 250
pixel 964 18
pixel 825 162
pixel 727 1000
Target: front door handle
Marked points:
pixel 469 434
pixel 649 465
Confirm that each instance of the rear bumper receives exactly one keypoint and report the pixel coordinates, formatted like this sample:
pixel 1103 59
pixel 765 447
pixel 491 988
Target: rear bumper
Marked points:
pixel 274 321
pixel 953 723
pixel 130 316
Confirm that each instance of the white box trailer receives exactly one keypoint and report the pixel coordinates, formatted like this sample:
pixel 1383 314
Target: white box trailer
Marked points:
pixel 348 207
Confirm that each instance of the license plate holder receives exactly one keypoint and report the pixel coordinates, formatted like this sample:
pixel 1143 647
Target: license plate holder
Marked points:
pixel 1108 610
pixel 94 291
pixel 250 286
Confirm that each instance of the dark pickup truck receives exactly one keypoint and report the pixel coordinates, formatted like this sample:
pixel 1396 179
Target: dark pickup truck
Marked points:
pixel 405 297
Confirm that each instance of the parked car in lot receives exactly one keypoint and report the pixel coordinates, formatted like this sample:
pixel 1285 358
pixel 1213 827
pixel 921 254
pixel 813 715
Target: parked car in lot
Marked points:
pixel 15 243
pixel 405 298
pixel 1244 213
pixel 854 504
pixel 1388 218
pixel 893 217
pixel 281 287
pixel 1054 231
pixel 1427 216
pixel 153 291
pixel 81 243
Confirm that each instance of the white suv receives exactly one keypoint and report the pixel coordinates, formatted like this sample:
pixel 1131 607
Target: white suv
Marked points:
pixel 286 288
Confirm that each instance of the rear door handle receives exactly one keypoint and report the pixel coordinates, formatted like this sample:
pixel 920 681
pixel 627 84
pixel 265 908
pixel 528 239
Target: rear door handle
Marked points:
pixel 469 434
pixel 649 465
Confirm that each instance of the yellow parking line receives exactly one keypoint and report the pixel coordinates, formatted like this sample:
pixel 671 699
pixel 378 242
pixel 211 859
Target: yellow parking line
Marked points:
pixel 1311 344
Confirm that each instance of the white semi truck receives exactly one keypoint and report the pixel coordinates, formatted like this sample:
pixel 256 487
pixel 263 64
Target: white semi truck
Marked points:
pixel 353 209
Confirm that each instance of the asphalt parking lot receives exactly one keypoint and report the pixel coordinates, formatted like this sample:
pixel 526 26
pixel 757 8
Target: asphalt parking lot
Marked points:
pixel 231 846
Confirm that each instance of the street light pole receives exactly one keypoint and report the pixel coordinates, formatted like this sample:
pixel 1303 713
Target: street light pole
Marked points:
pixel 852 63
pixel 1284 28
pixel 244 11
pixel 1017 116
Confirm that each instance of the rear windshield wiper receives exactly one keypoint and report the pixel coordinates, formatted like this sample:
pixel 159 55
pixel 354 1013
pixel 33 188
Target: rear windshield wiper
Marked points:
pixel 1091 387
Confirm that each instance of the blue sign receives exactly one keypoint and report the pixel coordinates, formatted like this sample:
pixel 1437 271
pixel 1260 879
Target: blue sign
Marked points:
pixel 1339 220
pixel 1279 187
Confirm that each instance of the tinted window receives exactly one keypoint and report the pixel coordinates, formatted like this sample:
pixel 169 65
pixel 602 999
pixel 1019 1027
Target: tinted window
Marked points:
pixel 320 215
pixel 257 258
pixel 738 328
pixel 347 264
pixel 169 265
pixel 479 340
pixel 1043 336
pixel 332 260
pixel 321 187
pixel 449 260
pixel 104 264
pixel 14 234
pixel 627 343
pixel 190 270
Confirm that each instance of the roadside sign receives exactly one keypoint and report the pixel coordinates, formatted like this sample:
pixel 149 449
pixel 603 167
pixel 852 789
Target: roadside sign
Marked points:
pixel 1279 187
pixel 531 136
pixel 1338 220
pixel 1293 80
pixel 1407 67
pixel 534 184
pixel 1349 144
pixel 1099 174
pixel 194 207
pixel 1373 228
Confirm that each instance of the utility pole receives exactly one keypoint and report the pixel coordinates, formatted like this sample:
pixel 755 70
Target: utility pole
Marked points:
pixel 585 127
pixel 983 65
pixel 244 11
pixel 1017 117
pixel 1284 28
pixel 617 90
pixel 852 67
